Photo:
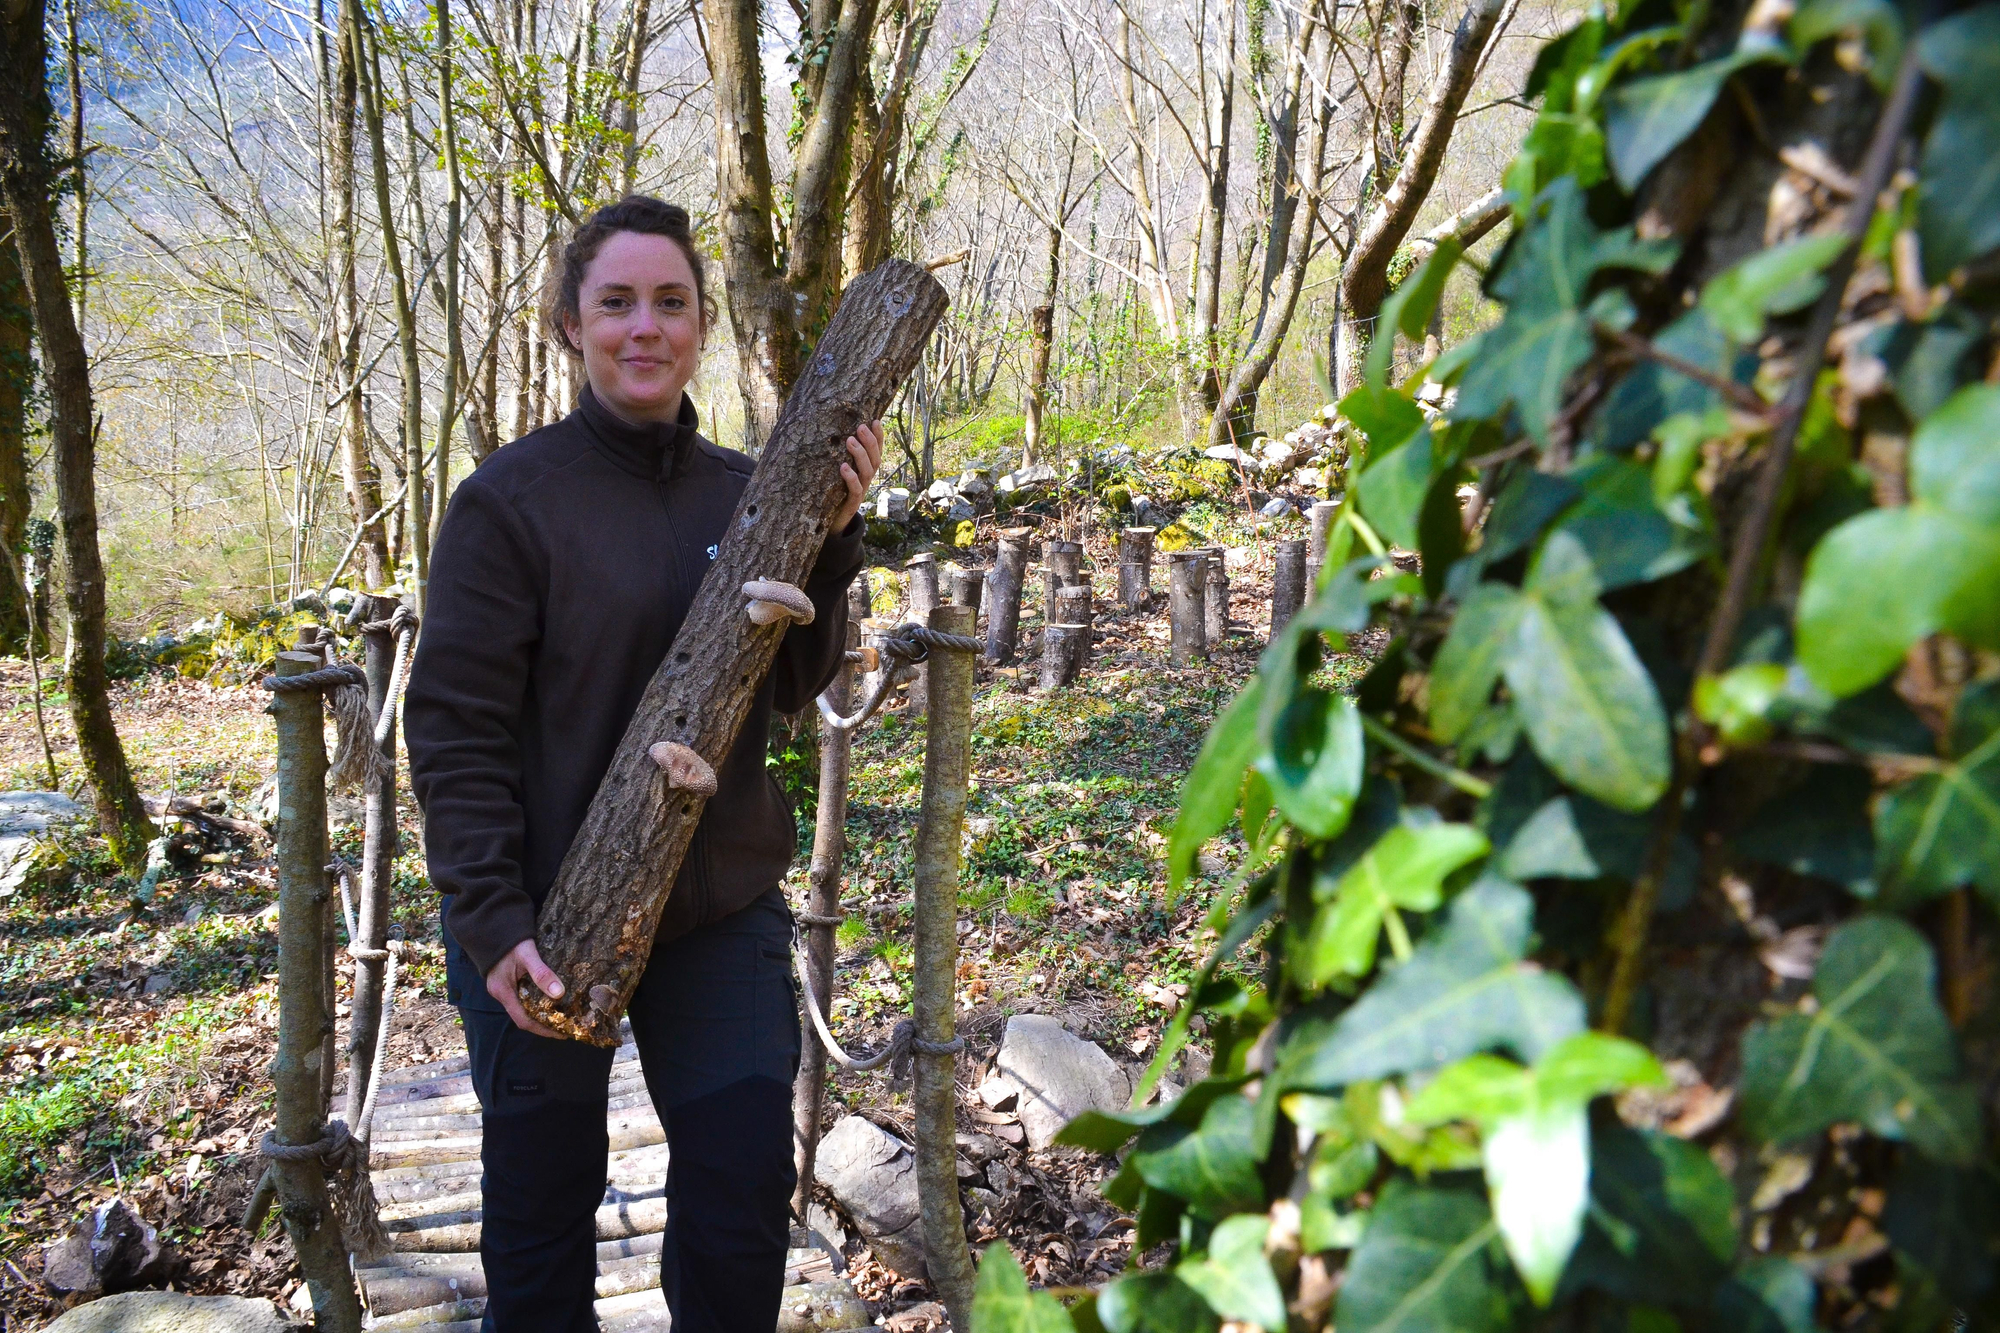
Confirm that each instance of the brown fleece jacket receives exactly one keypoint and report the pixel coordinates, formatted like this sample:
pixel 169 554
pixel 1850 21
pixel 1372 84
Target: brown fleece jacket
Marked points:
pixel 562 572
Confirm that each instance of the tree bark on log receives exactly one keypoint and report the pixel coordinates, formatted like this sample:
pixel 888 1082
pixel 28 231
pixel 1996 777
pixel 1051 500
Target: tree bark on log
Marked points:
pixel 1135 568
pixel 1215 599
pixel 1288 583
pixel 1060 654
pixel 1321 518
pixel 596 929
pixel 1062 565
pixel 1073 608
pixel 1003 605
pixel 940 825
pixel 1187 589
pixel 304 1044
pixel 823 899
pixel 965 589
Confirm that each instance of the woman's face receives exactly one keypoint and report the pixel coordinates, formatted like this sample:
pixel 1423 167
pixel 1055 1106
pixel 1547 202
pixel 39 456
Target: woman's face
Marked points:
pixel 640 331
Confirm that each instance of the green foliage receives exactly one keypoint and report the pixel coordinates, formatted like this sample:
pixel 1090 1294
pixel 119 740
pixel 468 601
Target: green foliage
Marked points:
pixel 1620 400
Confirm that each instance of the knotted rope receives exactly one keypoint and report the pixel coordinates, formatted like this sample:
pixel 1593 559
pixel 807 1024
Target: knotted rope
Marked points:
pixel 903 1042
pixel 346 689
pixel 345 1158
pixel 905 646
pixel 403 624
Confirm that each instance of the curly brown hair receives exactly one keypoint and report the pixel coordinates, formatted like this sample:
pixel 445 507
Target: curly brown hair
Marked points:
pixel 635 212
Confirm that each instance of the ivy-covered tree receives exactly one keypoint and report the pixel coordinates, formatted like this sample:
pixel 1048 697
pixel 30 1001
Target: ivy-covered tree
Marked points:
pixel 1620 954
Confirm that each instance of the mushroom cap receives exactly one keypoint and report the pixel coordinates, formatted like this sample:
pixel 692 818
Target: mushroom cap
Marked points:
pixel 796 603
pixel 685 770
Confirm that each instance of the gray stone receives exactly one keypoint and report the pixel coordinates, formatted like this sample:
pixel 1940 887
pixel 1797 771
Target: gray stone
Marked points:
pixel 961 511
pixel 873 1175
pixel 976 491
pixel 171 1312
pixel 1057 1074
pixel 1039 477
pixel 112 1249
pixel 1276 507
pixel 893 505
pixel 25 820
pixel 941 492
pixel 1229 453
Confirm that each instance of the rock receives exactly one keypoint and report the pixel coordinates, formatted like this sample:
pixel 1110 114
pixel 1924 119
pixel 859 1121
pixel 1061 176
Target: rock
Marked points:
pixel 1275 507
pixel 112 1249
pixel 998 1093
pixel 1229 453
pixel 25 820
pixel 976 491
pixel 826 1229
pixel 819 1306
pixel 1039 477
pixel 960 511
pixel 158 984
pixel 892 505
pixel 873 1174
pixel 979 833
pixel 1058 1075
pixel 171 1312
pixel 941 492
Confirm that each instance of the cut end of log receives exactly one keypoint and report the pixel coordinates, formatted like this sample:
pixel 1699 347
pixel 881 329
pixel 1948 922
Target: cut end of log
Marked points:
pixel 772 601
pixel 685 770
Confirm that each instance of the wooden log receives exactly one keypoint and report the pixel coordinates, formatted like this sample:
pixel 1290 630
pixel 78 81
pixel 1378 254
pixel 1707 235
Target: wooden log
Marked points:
pixel 614 892
pixel 1062 565
pixel 1060 655
pixel 1135 568
pixel 1288 583
pixel 836 749
pixel 378 864
pixel 1073 608
pixel 923 599
pixel 1003 600
pixel 1215 599
pixel 461 1236
pixel 305 1042
pixel 1187 590
pixel 940 826
pixel 860 602
pixel 966 585
pixel 1321 518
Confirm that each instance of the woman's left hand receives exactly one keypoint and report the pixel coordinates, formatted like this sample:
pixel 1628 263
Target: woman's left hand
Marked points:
pixel 864 456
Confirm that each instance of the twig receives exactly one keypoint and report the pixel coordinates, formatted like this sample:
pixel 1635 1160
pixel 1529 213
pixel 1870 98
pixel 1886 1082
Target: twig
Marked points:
pixel 1628 938
pixel 1742 395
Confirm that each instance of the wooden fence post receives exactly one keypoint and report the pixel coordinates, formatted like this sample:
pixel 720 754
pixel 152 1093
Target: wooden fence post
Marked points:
pixel 378 860
pixel 1186 591
pixel 1003 601
pixel 1135 568
pixel 940 824
pixel 822 916
pixel 923 599
pixel 305 1044
pixel 1288 583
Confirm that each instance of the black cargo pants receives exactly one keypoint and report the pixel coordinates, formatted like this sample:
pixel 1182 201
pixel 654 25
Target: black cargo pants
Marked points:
pixel 717 1025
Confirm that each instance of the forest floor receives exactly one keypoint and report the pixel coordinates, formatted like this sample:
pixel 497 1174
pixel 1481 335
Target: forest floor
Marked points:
pixel 134 1038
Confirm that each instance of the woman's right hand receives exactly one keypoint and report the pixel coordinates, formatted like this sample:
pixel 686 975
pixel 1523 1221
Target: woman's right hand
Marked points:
pixel 503 983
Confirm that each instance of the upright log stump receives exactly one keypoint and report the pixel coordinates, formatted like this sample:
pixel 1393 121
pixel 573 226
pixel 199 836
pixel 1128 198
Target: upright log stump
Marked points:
pixel 1003 597
pixel 1215 600
pixel 1135 568
pixel 612 894
pixel 1321 519
pixel 1288 583
pixel 1187 575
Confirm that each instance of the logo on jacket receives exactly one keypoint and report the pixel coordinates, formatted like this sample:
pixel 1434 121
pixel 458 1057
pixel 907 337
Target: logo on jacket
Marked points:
pixel 712 550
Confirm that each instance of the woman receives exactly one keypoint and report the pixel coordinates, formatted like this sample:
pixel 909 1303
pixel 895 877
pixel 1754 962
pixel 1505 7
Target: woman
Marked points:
pixel 562 572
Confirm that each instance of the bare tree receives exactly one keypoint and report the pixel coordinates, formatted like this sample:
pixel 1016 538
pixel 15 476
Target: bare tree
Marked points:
pixel 16 372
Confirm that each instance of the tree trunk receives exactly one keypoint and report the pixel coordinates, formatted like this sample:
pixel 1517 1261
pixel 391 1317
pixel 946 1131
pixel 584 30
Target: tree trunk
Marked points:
pixel 1041 341
pixel 1186 591
pixel 1215 599
pixel 1135 568
pixel 378 869
pixel 635 61
pixel 611 895
pixel 1204 340
pixel 30 193
pixel 454 237
pixel 923 599
pixel 1003 598
pixel 1320 521
pixel 1288 583
pixel 16 375
pixel 364 484
pixel 1364 279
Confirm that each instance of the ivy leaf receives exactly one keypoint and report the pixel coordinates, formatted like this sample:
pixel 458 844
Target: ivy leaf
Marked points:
pixel 1659 1229
pixel 1645 119
pixel 1236 1279
pixel 1406 869
pixel 1631 535
pixel 1002 1302
pixel 1409 308
pixel 1468 666
pixel 1546 332
pixel 1520 511
pixel 1214 1167
pixel 1886 578
pixel 1145 1303
pixel 1392 490
pixel 1426 1264
pixel 1650 393
pixel 1585 699
pixel 1768 1294
pixel 1876 1049
pixel 1819 828
pixel 1386 416
pixel 1535 1138
pixel 1776 281
pixel 1209 795
pixel 1939 830
pixel 1464 990
pixel 1313 760
pixel 1108 1131
pixel 1958 195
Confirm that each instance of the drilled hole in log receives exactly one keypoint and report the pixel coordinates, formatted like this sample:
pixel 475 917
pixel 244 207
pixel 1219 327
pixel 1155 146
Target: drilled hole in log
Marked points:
pixel 687 807
pixel 751 512
pixel 680 719
pixel 681 656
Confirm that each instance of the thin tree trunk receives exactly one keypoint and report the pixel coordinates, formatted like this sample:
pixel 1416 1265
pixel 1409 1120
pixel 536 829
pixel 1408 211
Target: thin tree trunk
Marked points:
pixel 417 523
pixel 1041 341
pixel 364 485
pixel 378 862
pixel 16 375
pixel 1364 279
pixel 29 189
pixel 454 233
pixel 628 82
pixel 1205 343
